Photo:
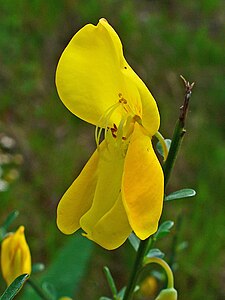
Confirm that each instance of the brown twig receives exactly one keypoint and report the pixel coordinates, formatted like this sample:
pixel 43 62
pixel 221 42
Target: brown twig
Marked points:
pixel 187 96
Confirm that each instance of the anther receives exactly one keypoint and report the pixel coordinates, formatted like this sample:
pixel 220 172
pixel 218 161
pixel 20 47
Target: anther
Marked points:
pixel 122 100
pixel 113 132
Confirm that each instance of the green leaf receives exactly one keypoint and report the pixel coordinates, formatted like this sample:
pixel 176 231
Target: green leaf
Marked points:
pixel 14 287
pixel 184 193
pixel 121 293
pixel 155 253
pixel 163 230
pixel 67 269
pixel 160 149
pixel 11 217
pixel 134 240
pixel 105 298
pixel 111 281
pixel 8 221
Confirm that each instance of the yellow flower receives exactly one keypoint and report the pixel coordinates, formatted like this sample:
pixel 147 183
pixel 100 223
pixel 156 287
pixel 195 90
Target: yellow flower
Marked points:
pixel 121 187
pixel 149 286
pixel 15 256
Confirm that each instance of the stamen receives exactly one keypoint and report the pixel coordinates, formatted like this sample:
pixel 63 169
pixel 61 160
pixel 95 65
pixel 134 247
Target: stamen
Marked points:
pixel 105 118
pixel 114 130
pixel 120 129
pixel 98 132
pixel 125 127
pixel 125 104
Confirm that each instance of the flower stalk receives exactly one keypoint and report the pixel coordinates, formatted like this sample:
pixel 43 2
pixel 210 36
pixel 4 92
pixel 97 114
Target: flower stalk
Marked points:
pixel 165 266
pixel 179 132
pixel 167 168
pixel 38 290
pixel 136 269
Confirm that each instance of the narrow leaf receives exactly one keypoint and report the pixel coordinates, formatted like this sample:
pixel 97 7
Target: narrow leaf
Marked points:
pixel 181 194
pixel 121 293
pixel 155 253
pixel 163 230
pixel 10 218
pixel 110 281
pixel 14 287
pixel 160 148
pixel 134 240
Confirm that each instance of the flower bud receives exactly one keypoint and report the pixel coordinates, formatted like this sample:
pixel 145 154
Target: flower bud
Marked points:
pixel 15 256
pixel 65 298
pixel 149 286
pixel 167 294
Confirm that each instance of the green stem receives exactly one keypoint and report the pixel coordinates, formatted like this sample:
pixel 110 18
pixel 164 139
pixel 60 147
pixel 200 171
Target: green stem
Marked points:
pixel 38 290
pixel 167 168
pixel 165 266
pixel 178 133
pixel 177 139
pixel 136 269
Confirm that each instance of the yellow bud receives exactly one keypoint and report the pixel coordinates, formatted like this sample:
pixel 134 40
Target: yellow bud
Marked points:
pixel 149 286
pixel 15 256
pixel 65 298
pixel 167 294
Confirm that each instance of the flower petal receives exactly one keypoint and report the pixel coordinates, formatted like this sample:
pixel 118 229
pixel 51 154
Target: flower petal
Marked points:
pixel 142 186
pixel 110 169
pixel 90 78
pixel 112 230
pixel 149 113
pixel 78 198
pixel 88 75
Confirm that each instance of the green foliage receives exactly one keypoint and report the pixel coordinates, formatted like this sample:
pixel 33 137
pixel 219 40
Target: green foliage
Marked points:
pixel 8 221
pixel 181 194
pixel 155 253
pixel 163 230
pixel 111 282
pixel 134 241
pixel 74 256
pixel 159 146
pixel 14 287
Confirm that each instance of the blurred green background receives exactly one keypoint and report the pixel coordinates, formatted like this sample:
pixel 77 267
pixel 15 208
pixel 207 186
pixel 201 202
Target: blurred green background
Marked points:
pixel 161 39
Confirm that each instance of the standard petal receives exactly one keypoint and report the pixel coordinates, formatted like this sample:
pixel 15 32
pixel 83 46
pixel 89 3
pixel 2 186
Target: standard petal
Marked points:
pixel 112 230
pixel 78 198
pixel 89 75
pixel 110 169
pixel 142 186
